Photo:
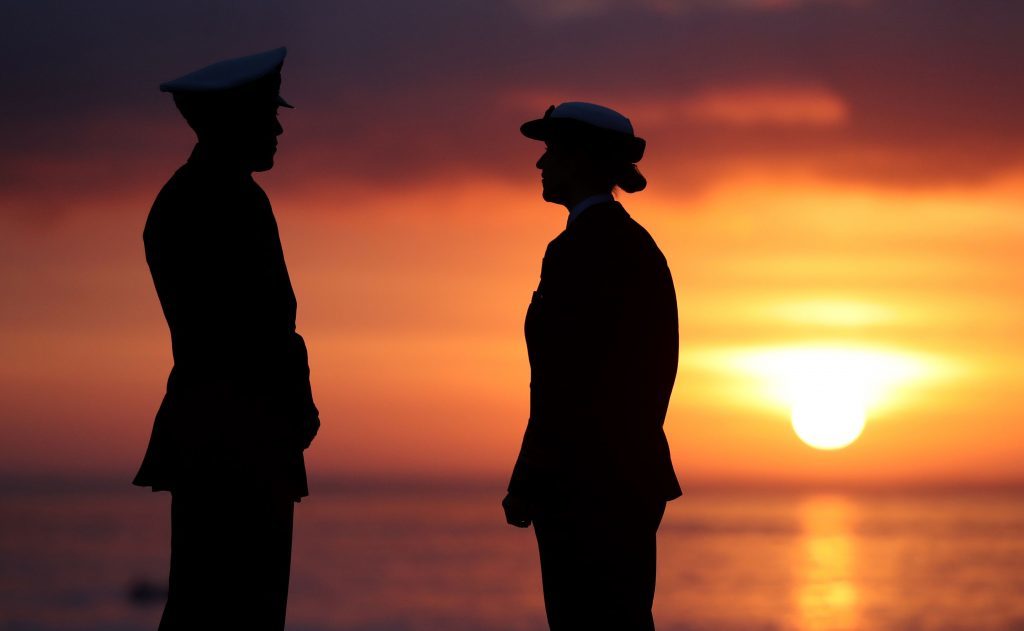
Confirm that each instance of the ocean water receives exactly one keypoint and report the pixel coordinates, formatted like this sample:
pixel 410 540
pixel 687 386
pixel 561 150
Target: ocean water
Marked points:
pixel 443 560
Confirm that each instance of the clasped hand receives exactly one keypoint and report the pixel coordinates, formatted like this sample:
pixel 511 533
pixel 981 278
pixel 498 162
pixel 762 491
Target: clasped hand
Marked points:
pixel 309 429
pixel 518 510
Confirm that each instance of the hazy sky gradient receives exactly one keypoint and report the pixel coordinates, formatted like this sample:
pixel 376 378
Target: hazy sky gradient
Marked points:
pixel 833 174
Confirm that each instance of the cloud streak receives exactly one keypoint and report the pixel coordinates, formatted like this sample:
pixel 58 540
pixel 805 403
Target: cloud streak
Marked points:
pixel 894 93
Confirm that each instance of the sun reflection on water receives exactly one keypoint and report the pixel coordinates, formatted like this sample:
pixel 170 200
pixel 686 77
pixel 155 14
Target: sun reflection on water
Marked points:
pixel 825 593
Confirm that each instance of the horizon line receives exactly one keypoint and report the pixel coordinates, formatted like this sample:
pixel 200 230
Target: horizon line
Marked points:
pixel 361 483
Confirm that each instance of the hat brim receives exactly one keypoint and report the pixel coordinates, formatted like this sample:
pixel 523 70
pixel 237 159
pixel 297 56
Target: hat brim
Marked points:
pixel 536 129
pixel 567 129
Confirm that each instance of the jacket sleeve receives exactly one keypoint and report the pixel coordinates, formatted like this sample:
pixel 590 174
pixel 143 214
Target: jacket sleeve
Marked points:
pixel 231 310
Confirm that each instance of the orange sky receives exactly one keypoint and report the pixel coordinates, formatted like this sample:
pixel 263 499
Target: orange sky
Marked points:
pixel 798 209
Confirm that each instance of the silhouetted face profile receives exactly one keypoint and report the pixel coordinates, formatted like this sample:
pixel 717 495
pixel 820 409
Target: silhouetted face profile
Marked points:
pixel 232 106
pixel 252 137
pixel 589 150
pixel 246 134
pixel 241 132
pixel 568 173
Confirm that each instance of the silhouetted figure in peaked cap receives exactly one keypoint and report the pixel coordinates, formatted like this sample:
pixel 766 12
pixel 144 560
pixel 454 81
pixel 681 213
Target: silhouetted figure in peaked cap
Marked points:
pixel 594 472
pixel 228 438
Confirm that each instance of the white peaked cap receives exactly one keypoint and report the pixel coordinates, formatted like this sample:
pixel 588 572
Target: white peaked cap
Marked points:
pixel 230 74
pixel 597 115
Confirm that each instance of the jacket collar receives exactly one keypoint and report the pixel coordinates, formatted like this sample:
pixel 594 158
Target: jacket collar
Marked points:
pixel 594 214
pixel 593 200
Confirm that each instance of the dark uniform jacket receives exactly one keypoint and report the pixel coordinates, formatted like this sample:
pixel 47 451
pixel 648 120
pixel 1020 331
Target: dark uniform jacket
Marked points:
pixel 603 340
pixel 238 399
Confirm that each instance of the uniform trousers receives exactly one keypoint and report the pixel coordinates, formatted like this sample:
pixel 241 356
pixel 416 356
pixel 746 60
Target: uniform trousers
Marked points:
pixel 230 561
pixel 598 565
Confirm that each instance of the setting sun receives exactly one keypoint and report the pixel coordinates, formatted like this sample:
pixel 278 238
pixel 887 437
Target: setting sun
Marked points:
pixel 829 414
pixel 828 391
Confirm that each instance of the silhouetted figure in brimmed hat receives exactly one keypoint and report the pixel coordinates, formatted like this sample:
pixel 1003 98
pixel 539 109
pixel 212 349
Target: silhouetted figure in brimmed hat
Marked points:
pixel 594 472
pixel 228 438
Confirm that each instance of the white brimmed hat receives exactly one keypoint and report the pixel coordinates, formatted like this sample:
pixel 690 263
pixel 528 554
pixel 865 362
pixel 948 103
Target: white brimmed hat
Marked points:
pixel 587 122
pixel 259 71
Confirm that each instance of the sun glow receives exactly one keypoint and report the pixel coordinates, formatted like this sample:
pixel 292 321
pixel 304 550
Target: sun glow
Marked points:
pixel 830 391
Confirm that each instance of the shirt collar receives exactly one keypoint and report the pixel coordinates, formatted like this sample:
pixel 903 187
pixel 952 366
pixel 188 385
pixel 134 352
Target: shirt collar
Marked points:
pixel 593 200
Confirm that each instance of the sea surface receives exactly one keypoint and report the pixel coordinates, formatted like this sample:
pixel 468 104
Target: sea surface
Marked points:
pixel 408 559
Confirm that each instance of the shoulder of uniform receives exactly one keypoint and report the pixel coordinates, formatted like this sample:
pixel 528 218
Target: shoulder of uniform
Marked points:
pixel 185 198
pixel 648 258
